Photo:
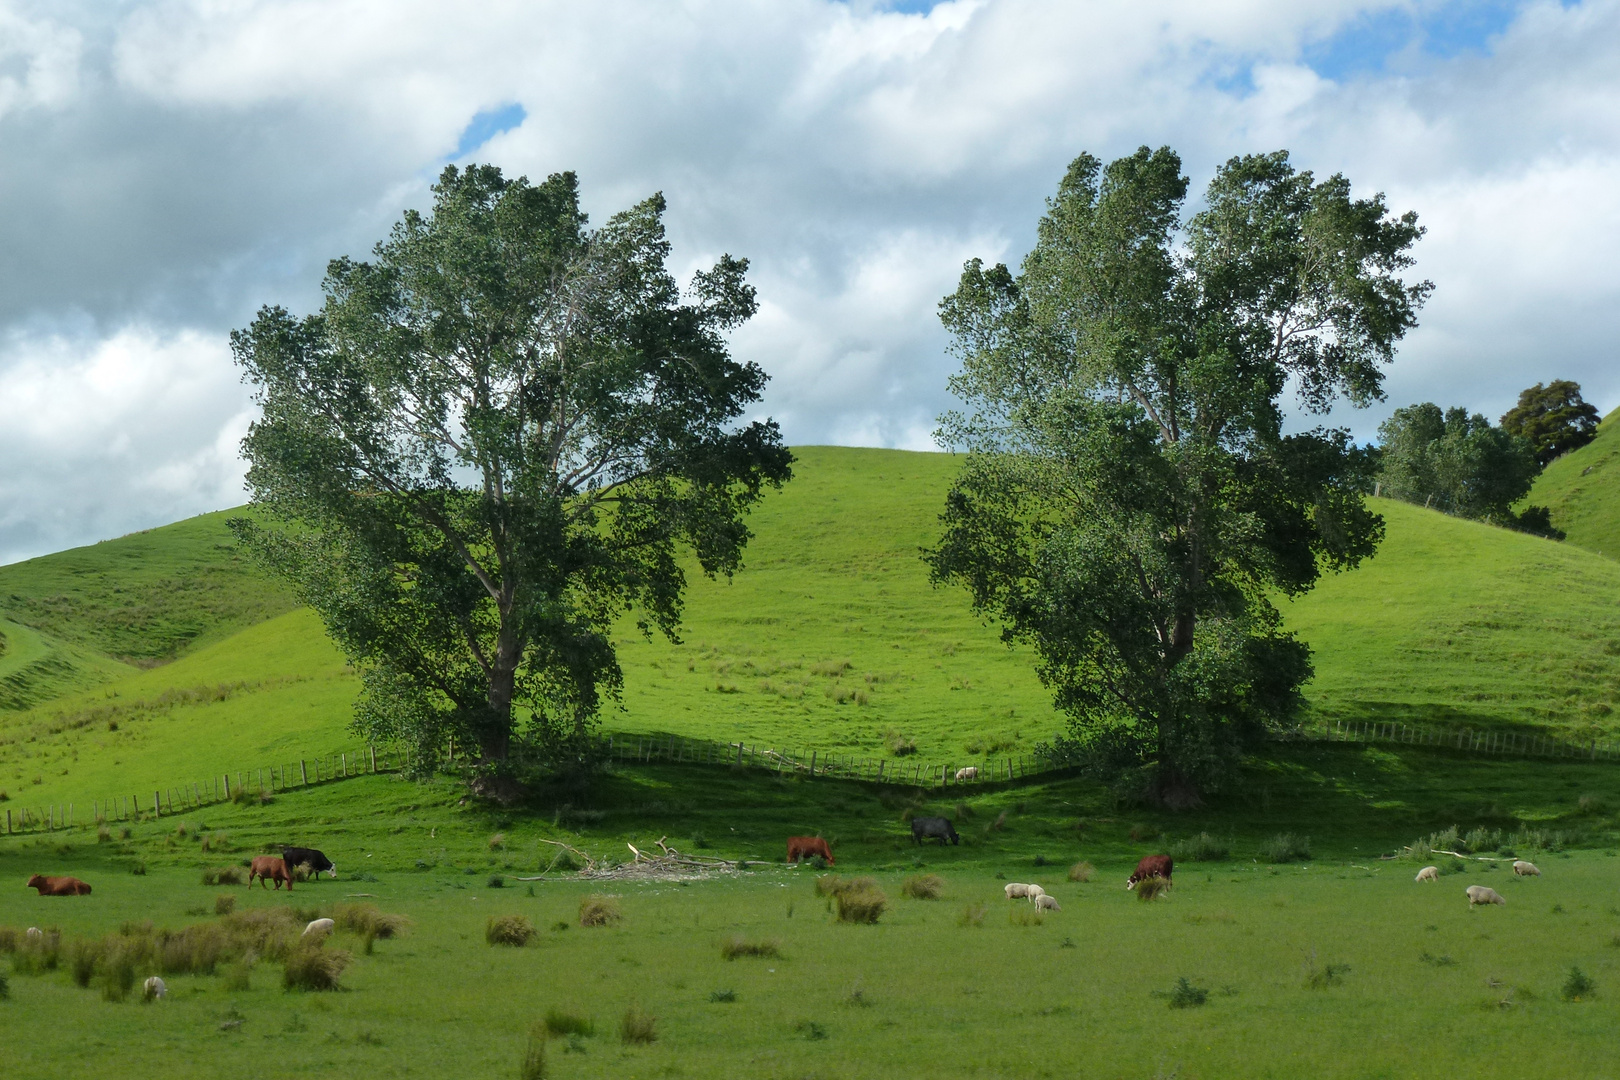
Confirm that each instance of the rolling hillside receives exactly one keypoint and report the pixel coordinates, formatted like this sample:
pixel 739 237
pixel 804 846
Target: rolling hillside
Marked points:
pixel 1582 489
pixel 830 638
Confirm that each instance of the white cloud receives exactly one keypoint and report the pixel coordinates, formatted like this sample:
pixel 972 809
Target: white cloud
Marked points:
pixel 173 164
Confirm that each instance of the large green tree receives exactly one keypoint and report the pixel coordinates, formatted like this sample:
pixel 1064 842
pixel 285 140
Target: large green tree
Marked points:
pixel 494 440
pixel 1130 502
pixel 1554 418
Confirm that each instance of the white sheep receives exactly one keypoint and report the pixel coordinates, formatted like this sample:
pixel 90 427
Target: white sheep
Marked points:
pixel 35 934
pixel 1525 869
pixel 317 929
pixel 1035 893
pixel 1428 873
pixel 969 773
pixel 1483 894
pixel 1016 890
pixel 1046 903
pixel 154 988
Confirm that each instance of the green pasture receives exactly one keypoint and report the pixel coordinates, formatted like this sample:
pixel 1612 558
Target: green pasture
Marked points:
pixel 1580 490
pixel 1080 992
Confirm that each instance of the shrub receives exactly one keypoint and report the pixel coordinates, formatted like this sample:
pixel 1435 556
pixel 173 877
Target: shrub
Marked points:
pixel 637 1026
pixel 1082 871
pixel 559 1022
pixel 1150 889
pixel 1184 995
pixel 224 904
pixel 314 968
pixel 1200 848
pixel 972 915
pixel 83 959
pixel 1286 847
pixel 738 945
pixel 864 905
pixel 533 1066
pixel 118 973
pixel 515 930
pixel 496 881
pixel 598 910
pixel 923 886
pixel 1578 985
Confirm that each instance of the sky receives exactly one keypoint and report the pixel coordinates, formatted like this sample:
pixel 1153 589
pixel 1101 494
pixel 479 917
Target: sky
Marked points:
pixel 169 167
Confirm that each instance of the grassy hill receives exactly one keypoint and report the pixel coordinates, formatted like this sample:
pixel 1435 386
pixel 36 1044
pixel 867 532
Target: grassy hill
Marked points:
pixel 830 638
pixel 1582 489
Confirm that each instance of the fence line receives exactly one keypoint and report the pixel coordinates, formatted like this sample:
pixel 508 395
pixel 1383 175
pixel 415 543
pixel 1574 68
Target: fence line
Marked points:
pixel 628 749
pixel 217 789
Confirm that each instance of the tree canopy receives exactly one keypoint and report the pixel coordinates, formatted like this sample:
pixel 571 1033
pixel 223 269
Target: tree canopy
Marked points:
pixel 1130 502
pixel 1553 418
pixel 492 441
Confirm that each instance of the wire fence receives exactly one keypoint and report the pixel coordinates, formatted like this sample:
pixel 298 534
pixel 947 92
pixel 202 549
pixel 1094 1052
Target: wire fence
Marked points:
pixel 629 750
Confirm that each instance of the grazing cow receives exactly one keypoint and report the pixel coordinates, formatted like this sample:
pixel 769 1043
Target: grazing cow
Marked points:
pixel 803 847
pixel 1525 869
pixel 1046 903
pixel 933 828
pixel 58 886
pixel 269 868
pixel 1158 866
pixel 1016 890
pixel 1428 873
pixel 318 929
pixel 308 857
pixel 1483 894
pixel 969 773
pixel 154 988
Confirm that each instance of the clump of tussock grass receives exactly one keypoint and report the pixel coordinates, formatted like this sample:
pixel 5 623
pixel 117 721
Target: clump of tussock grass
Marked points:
pixel 368 923
pixel 37 955
pixel 599 910
pixel 637 1026
pixel 811 1030
pixel 533 1065
pixel 1285 847
pixel 497 842
pixel 103 834
pixel 1024 915
pixel 1185 995
pixel 923 886
pixel 562 1022
pixel 496 881
pixel 1200 848
pixel 972 915
pixel 1150 889
pixel 737 945
pixel 223 875
pixel 239 974
pixel 117 971
pixel 861 905
pixel 1082 871
pixel 1577 986
pixel 310 967
pixel 723 997
pixel 513 930
pixel 899 745
pixel 833 884
pixel 9 937
pixel 1322 976
pixel 224 904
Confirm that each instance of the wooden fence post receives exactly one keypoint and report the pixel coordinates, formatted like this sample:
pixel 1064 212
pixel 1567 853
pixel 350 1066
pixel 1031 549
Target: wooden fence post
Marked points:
pixel 157 805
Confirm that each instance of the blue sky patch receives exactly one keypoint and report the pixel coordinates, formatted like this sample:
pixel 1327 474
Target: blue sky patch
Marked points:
pixel 486 124
pixel 1367 43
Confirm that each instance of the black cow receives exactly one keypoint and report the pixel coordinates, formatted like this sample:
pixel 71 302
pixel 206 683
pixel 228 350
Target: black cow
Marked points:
pixel 308 857
pixel 937 828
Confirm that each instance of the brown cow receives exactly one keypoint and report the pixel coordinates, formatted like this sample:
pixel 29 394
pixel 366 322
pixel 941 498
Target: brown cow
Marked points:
pixel 802 847
pixel 269 868
pixel 58 886
pixel 1158 866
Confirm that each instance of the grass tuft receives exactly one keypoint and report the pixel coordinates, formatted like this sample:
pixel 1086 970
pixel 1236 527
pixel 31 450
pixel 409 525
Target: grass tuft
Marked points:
pixel 1577 986
pixel 533 1065
pixel 313 968
pixel 637 1026
pixel 1285 847
pixel 562 1022
pixel 1200 848
pixel 923 887
pixel 1082 871
pixel 738 945
pixel 224 904
pixel 1184 995
pixel 972 915
pixel 1150 889
pixel 598 910
pixel 723 997
pixel 513 930
pixel 861 905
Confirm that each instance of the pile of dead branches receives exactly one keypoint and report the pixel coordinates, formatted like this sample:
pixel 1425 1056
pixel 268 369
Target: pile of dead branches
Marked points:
pixel 668 863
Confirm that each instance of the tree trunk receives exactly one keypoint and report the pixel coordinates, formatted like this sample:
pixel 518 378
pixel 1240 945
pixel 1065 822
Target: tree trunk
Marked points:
pixel 495 740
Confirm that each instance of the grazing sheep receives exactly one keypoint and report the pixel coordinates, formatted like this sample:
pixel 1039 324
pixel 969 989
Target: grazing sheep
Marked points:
pixel 1483 894
pixel 969 773
pixel 1016 890
pixel 1428 873
pixel 1035 893
pixel 1046 903
pixel 154 988
pixel 35 934
pixel 1525 869
pixel 317 929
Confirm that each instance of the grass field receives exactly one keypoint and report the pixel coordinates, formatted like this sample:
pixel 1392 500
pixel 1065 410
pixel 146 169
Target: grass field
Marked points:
pixel 1083 992
pixel 1582 489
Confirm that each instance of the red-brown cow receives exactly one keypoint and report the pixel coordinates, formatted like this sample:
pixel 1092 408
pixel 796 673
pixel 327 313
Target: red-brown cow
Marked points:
pixel 269 868
pixel 802 847
pixel 58 886
pixel 1158 866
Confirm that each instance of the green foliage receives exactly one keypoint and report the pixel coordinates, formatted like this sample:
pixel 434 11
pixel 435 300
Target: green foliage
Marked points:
pixel 1459 464
pixel 1200 848
pixel 1130 502
pixel 1553 419
pixel 491 443
pixel 1581 489
pixel 1184 995
pixel 1285 847
pixel 1577 985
